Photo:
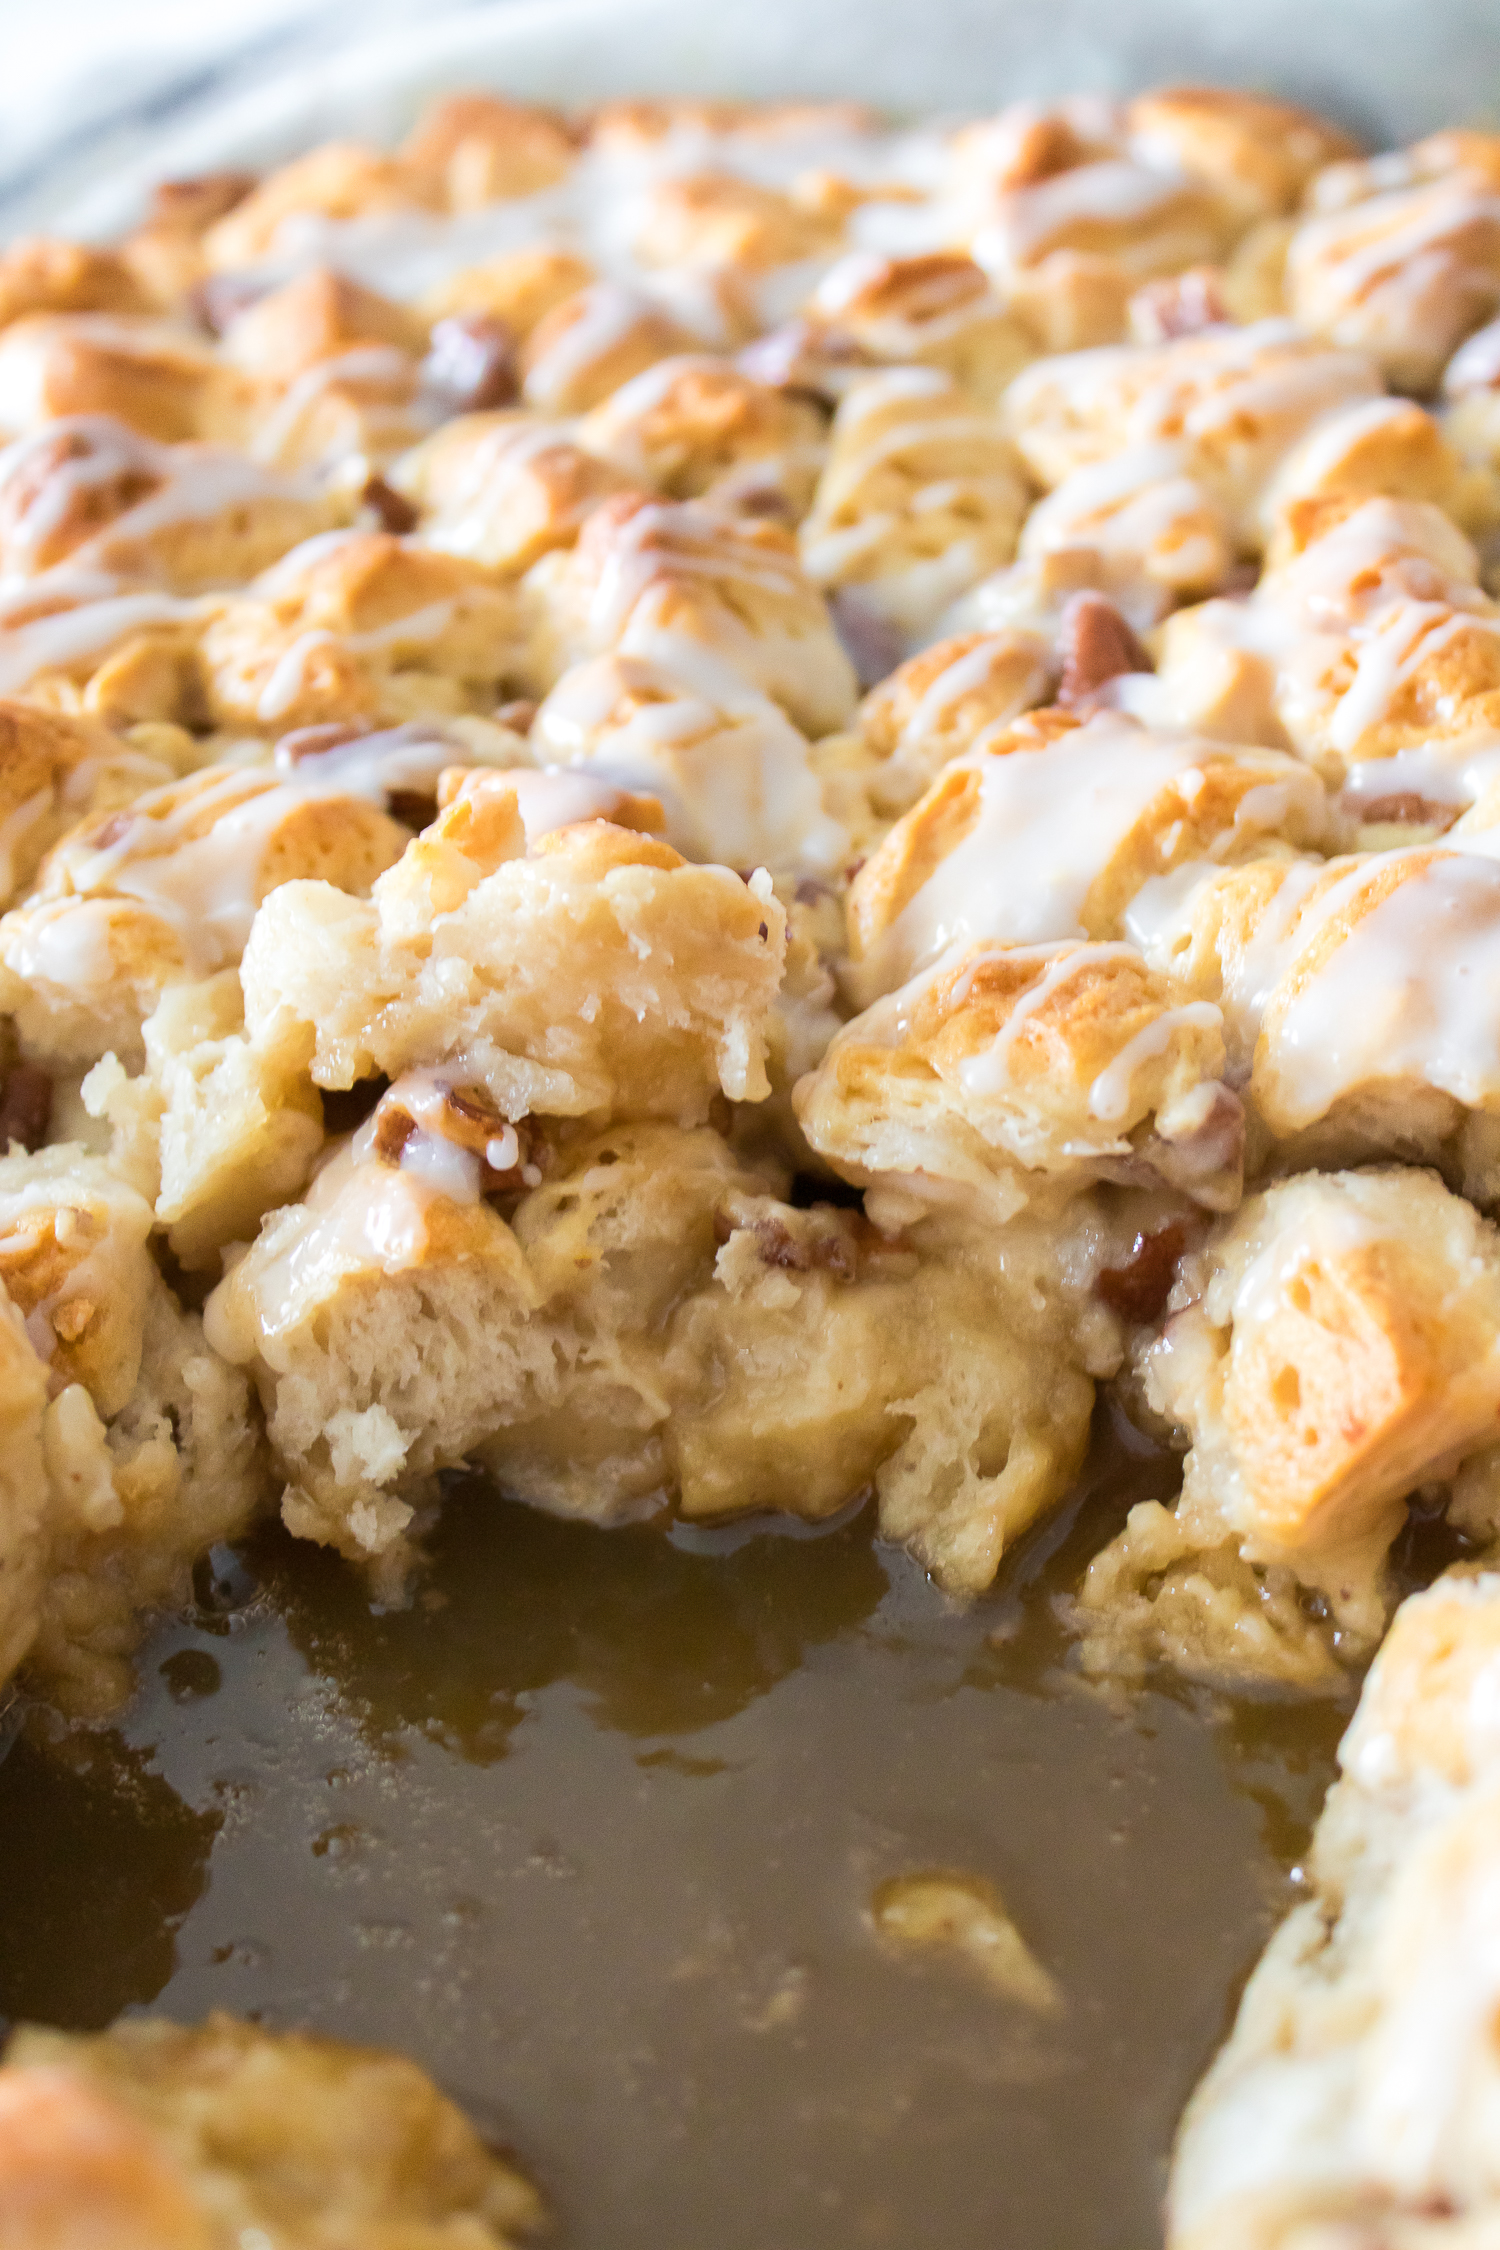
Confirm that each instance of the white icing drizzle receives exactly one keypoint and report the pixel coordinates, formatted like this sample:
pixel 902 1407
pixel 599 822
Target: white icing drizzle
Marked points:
pixel 1412 991
pixel 1049 821
pixel 730 769
pixel 1109 1096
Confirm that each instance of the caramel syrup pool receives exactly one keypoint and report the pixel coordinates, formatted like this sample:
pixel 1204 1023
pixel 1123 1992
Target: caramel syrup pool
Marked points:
pixel 591 1830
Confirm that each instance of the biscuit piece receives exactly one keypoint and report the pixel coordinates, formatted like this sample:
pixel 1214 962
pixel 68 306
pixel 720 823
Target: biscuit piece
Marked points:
pixel 1075 1062
pixel 214 1132
pixel 484 149
pixel 586 347
pixel 824 1357
pixel 25 1526
pixel 650 1324
pixel 365 626
pixel 1229 404
pixel 1068 232
pixel 319 316
pixel 503 489
pixel 695 427
pixel 1369 634
pixel 955 698
pixel 1050 831
pixel 340 180
pixel 938 309
pixel 1353 2098
pixel 155 2136
pixel 1361 999
pixel 54 772
pixel 345 415
pixel 163 381
pixel 398 1325
pixel 595 972
pixel 921 498
pixel 725 225
pixel 731 771
pixel 1143 509
pixel 1404 272
pixel 1333 1348
pixel 165 890
pixel 150 1453
pixel 40 274
pixel 1260 155
pixel 721 601
pixel 96 496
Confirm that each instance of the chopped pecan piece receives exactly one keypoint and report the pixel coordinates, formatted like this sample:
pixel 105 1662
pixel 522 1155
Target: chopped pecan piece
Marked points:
pixel 471 364
pixel 25 1107
pixel 1096 645
pixel 1139 1289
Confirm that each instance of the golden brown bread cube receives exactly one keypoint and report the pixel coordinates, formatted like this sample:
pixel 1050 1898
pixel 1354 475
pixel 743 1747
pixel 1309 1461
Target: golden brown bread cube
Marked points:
pixel 92 494
pixel 1006 1069
pixel 159 2136
pixel 483 148
pixel 149 1448
pixel 503 489
pixel 722 600
pixel 340 180
pixel 696 426
pixel 921 497
pixel 1259 154
pixel 365 626
pixel 164 381
pixel 937 309
pixel 1353 2098
pixel 1051 828
pixel 1332 1349
pixel 595 972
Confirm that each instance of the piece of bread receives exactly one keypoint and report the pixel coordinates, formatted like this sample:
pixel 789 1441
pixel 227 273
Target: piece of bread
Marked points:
pixel 1050 830
pixel 732 773
pixel 503 489
pixel 159 2136
pixel 91 494
pixel 1354 1000
pixel 696 427
pixel 922 496
pixel 1333 1348
pixel 719 599
pixel 362 626
pixel 1073 1062
pixel 595 972
pixel 1355 2096
pixel 150 1452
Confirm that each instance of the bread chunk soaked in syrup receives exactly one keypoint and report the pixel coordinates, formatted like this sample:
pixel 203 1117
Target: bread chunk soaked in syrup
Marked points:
pixel 1333 1348
pixel 160 2136
pixel 1355 2096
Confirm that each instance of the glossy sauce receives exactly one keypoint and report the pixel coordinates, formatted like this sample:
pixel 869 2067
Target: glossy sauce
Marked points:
pixel 592 1829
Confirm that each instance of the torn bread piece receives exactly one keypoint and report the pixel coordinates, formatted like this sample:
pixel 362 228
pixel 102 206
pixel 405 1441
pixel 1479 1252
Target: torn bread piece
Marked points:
pixel 1331 1349
pixel 1009 1071
pixel 651 1325
pixel 1361 1000
pixel 1049 830
pixel 159 2136
pixel 1354 2098
pixel 151 1453
pixel 707 595
pixel 594 971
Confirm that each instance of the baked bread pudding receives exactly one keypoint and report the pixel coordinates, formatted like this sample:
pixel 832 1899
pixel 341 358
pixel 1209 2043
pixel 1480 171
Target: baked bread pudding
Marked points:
pixel 719 809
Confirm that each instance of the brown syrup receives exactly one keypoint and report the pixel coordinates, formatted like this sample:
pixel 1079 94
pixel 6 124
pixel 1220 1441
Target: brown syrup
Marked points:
pixel 591 1829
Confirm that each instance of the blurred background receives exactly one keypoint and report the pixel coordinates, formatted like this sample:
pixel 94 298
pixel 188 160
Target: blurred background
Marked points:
pixel 98 97
pixel 78 77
